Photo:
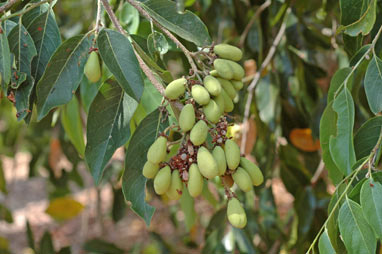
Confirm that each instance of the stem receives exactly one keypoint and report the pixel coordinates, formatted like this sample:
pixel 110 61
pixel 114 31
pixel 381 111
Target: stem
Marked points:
pixel 7 5
pixel 22 12
pixel 98 20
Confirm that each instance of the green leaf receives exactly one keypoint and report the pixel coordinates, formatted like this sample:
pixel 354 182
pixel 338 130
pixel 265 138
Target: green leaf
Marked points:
pixel 128 16
pixel 133 182
pixel 157 44
pixel 305 205
pixel 30 236
pixel 3 183
pixel 187 25
pixel 5 214
pixel 357 16
pixel 337 81
pixel 118 55
pixel 324 245
pixel 355 231
pixel 62 75
pixel 187 206
pixel 373 85
pixel 8 26
pixel 5 61
pixel 32 14
pixel 371 203
pixel 101 247
pixel 367 136
pixel 119 205
pixel 341 146
pixel 46 244
pixel 88 92
pixel 108 126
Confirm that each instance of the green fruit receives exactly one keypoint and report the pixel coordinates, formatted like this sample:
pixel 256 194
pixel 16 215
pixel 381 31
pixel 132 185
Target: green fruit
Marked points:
pixel 92 68
pixel 220 101
pixel 228 87
pixel 175 89
pixel 238 85
pixel 236 214
pixel 206 163
pixel 175 190
pixel 162 180
pixel 219 156
pixel 228 52
pixel 187 118
pixel 237 71
pixel 253 171
pixel 242 179
pixel 200 94
pixel 228 104
pixel 214 73
pixel 150 169
pixel 212 85
pixel 199 133
pixel 157 151
pixel 195 181
pixel 223 68
pixel 212 111
pixel 232 154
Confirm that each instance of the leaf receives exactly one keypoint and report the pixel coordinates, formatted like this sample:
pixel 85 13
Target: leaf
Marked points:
pixel 337 81
pixel 46 244
pixel 64 208
pixel 119 205
pixel 367 136
pixel 324 245
pixel 303 140
pixel 3 183
pixel 341 146
pixel 128 16
pixel 371 203
pixel 356 233
pixel 373 84
pixel 88 92
pixel 5 214
pixel 157 43
pixel 187 25
pixel 101 247
pixel 133 182
pixel 305 206
pixel 357 16
pixel 108 126
pixel 5 60
pixel 187 206
pixel 34 13
pixel 62 75
pixel 30 236
pixel 118 55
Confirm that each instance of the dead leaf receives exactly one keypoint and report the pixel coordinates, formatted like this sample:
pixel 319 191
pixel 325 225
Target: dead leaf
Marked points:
pixel 303 140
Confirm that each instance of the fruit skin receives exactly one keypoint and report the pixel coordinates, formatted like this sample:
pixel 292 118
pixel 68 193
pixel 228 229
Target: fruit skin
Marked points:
pixel 175 89
pixel 207 163
pixel 212 111
pixel 195 181
pixel 219 156
pixel 237 71
pixel 92 68
pixel 228 104
pixel 220 101
pixel 242 179
pixel 150 170
pixel 214 73
pixel 253 171
pixel 175 190
pixel 223 68
pixel 200 94
pixel 157 151
pixel 228 181
pixel 212 85
pixel 236 214
pixel 232 154
pixel 228 87
pixel 199 133
pixel 238 85
pixel 162 180
pixel 228 52
pixel 187 118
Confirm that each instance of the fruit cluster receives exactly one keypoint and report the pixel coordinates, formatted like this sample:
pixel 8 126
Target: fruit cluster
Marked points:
pixel 204 113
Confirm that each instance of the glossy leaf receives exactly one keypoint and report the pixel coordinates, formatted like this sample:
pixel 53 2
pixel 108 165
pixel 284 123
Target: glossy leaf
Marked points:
pixel 64 208
pixel 373 85
pixel 371 203
pixel 324 244
pixel 367 136
pixel 357 16
pixel 5 60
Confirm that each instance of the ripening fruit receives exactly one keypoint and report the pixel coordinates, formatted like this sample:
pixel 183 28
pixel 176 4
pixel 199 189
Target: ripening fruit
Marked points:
pixel 214 73
pixel 150 169
pixel 175 190
pixel 187 118
pixel 228 87
pixel 175 89
pixel 242 179
pixel 228 181
pixel 232 154
pixel 238 85
pixel 200 94
pixel 253 171
pixel 206 163
pixel 212 111
pixel 158 150
pixel 92 68
pixel 220 101
pixel 195 181
pixel 199 133
pixel 236 214
pixel 228 104
pixel 228 52
pixel 212 85
pixel 219 156
pixel 237 71
pixel 162 180
pixel 223 68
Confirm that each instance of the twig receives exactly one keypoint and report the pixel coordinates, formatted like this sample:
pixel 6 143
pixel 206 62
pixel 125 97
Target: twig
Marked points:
pixel 7 5
pixel 32 6
pixel 318 172
pixel 98 20
pixel 256 79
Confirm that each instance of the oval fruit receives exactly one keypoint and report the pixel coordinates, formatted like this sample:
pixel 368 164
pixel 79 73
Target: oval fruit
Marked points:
pixel 212 85
pixel 212 111
pixel 175 190
pixel 175 89
pixel 92 68
pixel 219 156
pixel 228 104
pixel 220 101
pixel 228 87
pixel 150 169
pixel 199 133
pixel 223 68
pixel 214 73
pixel 157 151
pixel 242 179
pixel 237 71
pixel 206 163
pixel 200 94
pixel 195 181
pixel 232 154
pixel 236 214
pixel 227 180
pixel 187 118
pixel 253 171
pixel 238 85
pixel 228 52
pixel 162 180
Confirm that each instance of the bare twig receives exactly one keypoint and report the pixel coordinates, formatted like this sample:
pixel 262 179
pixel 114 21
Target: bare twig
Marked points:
pixel 98 20
pixel 8 5
pixel 22 12
pixel 317 174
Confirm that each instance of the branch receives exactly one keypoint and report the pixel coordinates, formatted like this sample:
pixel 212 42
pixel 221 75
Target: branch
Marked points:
pixel 22 12
pixel 98 20
pixel 8 5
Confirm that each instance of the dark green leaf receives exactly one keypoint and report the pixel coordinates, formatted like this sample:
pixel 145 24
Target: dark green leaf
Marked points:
pixel 5 61
pixel 8 26
pixel 324 244
pixel 119 205
pixel 101 247
pixel 367 136
pixel 371 203
pixel 5 214
pixel 187 206
pixel 65 250
pixel 30 236
pixel 88 92
pixel 3 183
pixel 373 85
pixel 32 14
pixel 305 206
pixel 357 16
pixel 46 244
pixel 337 81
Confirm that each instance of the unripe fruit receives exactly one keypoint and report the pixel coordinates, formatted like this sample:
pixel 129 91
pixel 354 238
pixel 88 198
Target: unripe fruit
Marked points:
pixel 242 179
pixel 238 85
pixel 199 133
pixel 187 118
pixel 214 73
pixel 92 68
pixel 253 171
pixel 175 190
pixel 212 111
pixel 195 181
pixel 175 89
pixel 162 180
pixel 212 85
pixel 206 163
pixel 157 151
pixel 228 104
pixel 150 169
pixel 228 52
pixel 223 68
pixel 228 87
pixel 232 154
pixel 237 71
pixel 220 101
pixel 200 94
pixel 236 214
pixel 219 156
